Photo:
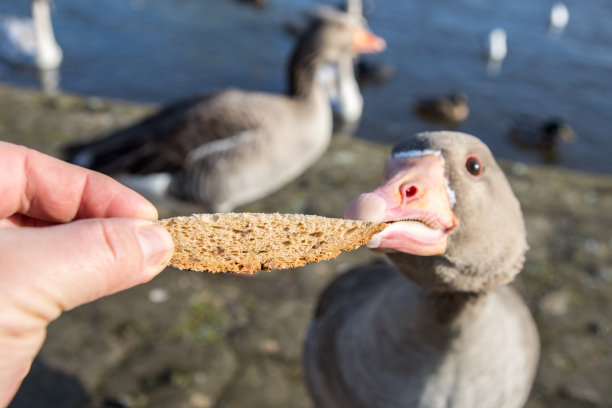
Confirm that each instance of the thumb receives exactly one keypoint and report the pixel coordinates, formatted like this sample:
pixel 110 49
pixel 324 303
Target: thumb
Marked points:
pixel 44 271
pixel 57 268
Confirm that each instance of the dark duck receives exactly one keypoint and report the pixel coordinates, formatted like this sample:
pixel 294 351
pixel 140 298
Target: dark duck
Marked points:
pixel 234 146
pixel 449 109
pixel 543 136
pixel 438 327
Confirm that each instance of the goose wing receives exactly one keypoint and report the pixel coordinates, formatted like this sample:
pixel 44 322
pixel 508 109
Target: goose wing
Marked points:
pixel 170 138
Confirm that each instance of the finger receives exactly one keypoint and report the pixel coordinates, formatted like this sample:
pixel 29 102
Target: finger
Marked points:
pixel 49 189
pixel 44 271
pixel 66 265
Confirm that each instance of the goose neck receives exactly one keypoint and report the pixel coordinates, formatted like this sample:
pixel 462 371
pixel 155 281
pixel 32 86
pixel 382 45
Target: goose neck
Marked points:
pixel 304 63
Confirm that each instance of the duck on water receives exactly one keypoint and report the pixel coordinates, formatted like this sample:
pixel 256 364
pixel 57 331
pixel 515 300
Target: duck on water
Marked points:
pixel 234 146
pixel 450 109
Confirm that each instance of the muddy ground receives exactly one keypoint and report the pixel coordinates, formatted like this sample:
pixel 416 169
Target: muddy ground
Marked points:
pixel 199 340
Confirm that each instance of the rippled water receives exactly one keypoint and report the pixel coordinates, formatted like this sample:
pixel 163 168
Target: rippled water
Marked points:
pixel 162 50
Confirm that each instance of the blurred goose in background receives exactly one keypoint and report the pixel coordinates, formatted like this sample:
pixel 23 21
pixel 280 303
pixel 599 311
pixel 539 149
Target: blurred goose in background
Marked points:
pixel 544 136
pixel 30 41
pixel 451 109
pixel 234 146
pixel 438 327
pixel 343 79
pixel 559 17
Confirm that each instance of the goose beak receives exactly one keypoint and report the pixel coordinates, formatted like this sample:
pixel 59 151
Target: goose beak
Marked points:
pixel 415 200
pixel 366 42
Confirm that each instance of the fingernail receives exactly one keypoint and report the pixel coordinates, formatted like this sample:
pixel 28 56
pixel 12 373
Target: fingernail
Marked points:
pixel 156 245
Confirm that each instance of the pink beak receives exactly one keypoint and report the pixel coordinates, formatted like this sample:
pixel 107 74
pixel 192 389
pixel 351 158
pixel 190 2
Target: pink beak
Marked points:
pixel 415 199
pixel 366 42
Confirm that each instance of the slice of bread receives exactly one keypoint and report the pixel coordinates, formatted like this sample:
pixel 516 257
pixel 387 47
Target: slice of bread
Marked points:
pixel 249 242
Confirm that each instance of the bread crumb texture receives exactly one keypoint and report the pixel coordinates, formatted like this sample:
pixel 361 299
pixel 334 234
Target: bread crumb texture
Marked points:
pixel 249 242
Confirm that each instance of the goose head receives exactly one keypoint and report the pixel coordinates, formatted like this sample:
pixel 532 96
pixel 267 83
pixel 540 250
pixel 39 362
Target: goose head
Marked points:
pixel 339 33
pixel 331 36
pixel 454 222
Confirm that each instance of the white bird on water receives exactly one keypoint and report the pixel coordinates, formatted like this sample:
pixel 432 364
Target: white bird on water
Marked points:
pixel 341 85
pixel 559 17
pixel 30 41
pixel 497 44
pixel 496 50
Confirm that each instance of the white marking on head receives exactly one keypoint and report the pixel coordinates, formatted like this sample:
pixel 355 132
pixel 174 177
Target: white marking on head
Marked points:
pixel 416 153
pixel 452 197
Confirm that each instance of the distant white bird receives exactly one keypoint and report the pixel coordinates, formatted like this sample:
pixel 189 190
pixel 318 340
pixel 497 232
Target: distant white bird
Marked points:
pixel 496 51
pixel 349 105
pixel 497 44
pixel 559 16
pixel 341 85
pixel 30 41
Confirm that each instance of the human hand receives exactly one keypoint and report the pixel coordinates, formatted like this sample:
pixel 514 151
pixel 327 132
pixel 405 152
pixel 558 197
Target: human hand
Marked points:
pixel 67 236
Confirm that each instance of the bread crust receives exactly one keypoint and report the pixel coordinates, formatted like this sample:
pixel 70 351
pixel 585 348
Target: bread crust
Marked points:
pixel 249 242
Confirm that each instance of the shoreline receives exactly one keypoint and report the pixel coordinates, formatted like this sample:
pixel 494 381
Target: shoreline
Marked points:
pixel 228 341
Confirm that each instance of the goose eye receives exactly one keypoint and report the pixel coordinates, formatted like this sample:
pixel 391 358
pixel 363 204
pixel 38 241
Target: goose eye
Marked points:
pixel 473 165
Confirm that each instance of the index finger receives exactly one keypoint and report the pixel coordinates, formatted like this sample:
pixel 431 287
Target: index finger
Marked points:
pixel 46 188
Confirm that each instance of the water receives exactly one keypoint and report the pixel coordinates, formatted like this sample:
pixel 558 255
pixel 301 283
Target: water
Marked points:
pixel 162 50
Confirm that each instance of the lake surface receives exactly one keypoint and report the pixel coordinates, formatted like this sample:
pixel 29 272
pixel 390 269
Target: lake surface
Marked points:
pixel 162 50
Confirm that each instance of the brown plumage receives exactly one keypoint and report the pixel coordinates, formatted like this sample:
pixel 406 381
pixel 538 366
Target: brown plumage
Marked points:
pixel 231 147
pixel 438 327
pixel 452 108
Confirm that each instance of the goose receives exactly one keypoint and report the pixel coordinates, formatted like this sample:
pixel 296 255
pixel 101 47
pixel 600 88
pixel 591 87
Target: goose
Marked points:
pixel 30 41
pixel 452 108
pixel 437 326
pixel 234 146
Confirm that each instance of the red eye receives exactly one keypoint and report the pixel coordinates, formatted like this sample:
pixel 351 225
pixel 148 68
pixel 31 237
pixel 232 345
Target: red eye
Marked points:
pixel 473 165
pixel 411 191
